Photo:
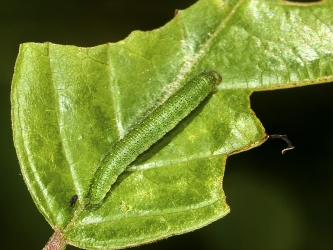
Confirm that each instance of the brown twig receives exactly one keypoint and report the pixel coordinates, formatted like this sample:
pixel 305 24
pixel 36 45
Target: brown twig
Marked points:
pixel 286 139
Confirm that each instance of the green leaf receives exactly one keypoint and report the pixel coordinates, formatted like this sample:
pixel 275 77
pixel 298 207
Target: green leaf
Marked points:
pixel 70 104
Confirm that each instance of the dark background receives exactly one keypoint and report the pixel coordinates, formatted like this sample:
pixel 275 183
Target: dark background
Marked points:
pixel 277 201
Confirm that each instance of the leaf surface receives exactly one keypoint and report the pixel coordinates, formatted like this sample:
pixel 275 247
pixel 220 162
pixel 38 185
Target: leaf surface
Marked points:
pixel 71 104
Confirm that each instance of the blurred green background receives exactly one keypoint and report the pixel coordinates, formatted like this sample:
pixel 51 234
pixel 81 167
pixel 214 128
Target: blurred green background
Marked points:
pixel 277 201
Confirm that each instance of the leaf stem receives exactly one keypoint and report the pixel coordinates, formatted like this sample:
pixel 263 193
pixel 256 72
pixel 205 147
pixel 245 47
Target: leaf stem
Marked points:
pixel 56 242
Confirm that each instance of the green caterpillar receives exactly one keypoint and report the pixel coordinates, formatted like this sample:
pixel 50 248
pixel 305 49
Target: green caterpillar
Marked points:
pixel 150 130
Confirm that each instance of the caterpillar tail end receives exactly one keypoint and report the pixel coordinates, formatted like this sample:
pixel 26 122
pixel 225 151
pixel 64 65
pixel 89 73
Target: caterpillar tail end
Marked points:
pixel 96 196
